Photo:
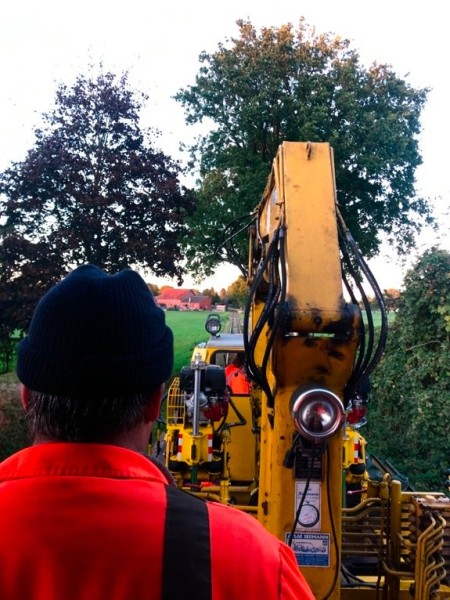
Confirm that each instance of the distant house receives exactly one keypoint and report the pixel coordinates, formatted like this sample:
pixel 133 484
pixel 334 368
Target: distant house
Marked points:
pixel 182 299
pixel 220 308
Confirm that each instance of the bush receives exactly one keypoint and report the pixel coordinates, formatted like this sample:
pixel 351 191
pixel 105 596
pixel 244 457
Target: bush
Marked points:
pixel 7 355
pixel 408 414
pixel 13 431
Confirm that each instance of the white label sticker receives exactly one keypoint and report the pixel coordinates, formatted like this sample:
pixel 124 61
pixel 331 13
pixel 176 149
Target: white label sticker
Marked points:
pixel 309 518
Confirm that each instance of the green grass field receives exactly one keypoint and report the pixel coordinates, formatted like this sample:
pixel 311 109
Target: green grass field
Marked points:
pixel 188 330
pixel 376 315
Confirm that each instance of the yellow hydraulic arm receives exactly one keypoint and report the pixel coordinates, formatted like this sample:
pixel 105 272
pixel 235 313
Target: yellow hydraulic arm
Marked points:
pixel 301 339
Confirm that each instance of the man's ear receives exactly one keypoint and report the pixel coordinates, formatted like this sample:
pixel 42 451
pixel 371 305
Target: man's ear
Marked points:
pixel 24 395
pixel 154 404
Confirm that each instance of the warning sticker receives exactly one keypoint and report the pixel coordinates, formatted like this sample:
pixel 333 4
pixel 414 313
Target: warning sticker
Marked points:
pixel 311 549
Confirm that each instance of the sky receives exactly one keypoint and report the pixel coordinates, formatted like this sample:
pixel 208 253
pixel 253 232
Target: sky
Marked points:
pixel 47 42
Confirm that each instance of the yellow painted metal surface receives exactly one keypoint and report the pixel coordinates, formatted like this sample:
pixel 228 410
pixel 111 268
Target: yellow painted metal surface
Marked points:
pixel 242 443
pixel 399 534
pixel 317 345
pixel 301 195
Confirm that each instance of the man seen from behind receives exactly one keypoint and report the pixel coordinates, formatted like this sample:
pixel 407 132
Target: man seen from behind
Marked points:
pixel 84 513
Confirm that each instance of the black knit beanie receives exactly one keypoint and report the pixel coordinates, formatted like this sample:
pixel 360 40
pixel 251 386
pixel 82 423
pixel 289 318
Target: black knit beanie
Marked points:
pixel 93 334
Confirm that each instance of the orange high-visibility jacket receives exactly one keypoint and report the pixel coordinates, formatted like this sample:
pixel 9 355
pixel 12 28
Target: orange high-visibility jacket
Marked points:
pixel 237 380
pixel 100 522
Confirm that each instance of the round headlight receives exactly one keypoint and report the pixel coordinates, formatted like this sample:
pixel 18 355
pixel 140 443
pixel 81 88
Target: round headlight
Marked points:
pixel 213 325
pixel 317 412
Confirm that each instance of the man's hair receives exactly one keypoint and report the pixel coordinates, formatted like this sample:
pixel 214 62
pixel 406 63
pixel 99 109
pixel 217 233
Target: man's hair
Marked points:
pixel 83 419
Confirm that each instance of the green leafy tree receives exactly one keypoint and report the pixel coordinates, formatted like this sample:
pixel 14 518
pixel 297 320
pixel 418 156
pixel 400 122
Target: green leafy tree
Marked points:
pixel 410 404
pixel 281 83
pixel 93 188
pixel 237 292
pixel 211 293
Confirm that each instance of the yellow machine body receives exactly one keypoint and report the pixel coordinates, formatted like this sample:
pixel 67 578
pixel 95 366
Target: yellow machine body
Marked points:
pixel 355 535
pixel 224 461
pixel 317 346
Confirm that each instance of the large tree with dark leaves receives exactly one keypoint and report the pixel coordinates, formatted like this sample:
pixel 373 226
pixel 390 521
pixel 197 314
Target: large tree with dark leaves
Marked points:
pixel 92 189
pixel 277 84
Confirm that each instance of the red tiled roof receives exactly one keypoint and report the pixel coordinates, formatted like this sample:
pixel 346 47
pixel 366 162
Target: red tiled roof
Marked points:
pixel 174 293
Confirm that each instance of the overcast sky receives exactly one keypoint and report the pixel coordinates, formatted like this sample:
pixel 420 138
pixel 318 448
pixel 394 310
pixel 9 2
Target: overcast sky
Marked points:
pixel 46 42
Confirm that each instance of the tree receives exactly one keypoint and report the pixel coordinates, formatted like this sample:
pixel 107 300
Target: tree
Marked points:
pixel 410 404
pixel 391 298
pixel 211 293
pixel 154 288
pixel 237 292
pixel 92 189
pixel 262 88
